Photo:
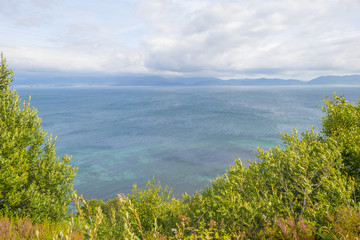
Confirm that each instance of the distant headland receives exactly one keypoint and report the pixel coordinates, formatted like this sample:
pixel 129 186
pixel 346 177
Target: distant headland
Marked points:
pixel 91 81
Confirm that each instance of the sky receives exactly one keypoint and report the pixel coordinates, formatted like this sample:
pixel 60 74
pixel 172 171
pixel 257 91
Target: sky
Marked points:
pixel 286 39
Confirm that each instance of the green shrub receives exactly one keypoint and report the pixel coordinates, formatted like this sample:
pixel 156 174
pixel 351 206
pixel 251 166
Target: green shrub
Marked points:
pixel 146 213
pixel 34 182
pixel 301 181
pixel 342 123
pixel 87 220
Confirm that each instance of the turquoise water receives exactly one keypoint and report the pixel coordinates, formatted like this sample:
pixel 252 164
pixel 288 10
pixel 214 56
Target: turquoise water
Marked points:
pixel 185 136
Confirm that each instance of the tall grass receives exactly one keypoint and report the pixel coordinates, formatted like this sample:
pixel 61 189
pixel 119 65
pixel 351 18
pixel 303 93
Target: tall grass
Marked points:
pixel 17 228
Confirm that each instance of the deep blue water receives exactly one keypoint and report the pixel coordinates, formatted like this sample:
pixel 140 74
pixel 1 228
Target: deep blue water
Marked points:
pixel 185 136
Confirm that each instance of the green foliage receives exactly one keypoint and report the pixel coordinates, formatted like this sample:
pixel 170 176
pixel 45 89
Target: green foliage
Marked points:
pixel 302 181
pixel 149 202
pixel 144 213
pixel 204 230
pixel 34 182
pixel 6 75
pixel 342 123
pixel 88 219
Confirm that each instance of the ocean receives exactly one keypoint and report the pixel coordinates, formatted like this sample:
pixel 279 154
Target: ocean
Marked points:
pixel 182 136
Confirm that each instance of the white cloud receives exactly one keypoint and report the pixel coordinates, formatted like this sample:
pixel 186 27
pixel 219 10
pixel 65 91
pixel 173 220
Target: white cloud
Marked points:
pixel 81 36
pixel 37 59
pixel 290 38
pixel 257 38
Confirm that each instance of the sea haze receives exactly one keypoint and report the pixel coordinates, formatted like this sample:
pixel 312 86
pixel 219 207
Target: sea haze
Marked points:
pixel 184 136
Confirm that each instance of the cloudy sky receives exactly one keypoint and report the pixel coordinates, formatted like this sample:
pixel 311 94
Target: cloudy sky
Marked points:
pixel 228 39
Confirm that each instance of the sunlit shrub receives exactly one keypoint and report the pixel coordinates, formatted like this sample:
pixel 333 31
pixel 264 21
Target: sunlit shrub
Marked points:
pixel 301 180
pixel 342 123
pixel 34 182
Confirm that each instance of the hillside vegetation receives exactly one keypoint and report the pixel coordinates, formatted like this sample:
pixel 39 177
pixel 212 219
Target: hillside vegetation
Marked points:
pixel 306 189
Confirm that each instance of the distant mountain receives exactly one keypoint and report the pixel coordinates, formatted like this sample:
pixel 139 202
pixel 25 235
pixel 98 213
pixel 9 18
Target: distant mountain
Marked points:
pixel 177 81
pixel 262 82
pixel 336 80
pixel 159 81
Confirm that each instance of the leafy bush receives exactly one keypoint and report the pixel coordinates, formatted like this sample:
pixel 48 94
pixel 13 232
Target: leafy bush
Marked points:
pixel 342 123
pixel 301 181
pixel 87 219
pixel 145 213
pixel 34 182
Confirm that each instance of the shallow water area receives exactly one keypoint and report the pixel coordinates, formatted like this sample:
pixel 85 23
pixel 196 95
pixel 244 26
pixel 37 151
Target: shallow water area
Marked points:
pixel 184 136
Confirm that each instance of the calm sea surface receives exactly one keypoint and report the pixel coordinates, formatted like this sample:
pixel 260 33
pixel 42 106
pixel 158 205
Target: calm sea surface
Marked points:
pixel 185 136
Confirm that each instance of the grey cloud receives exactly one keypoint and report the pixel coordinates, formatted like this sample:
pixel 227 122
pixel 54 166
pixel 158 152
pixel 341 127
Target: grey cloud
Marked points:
pixel 191 37
pixel 262 35
pixel 267 71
